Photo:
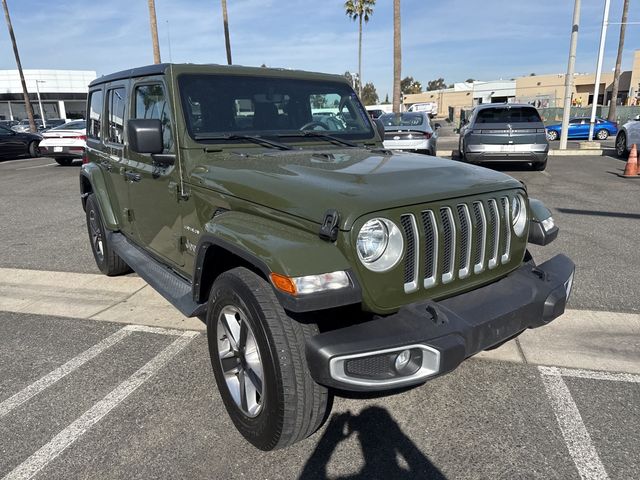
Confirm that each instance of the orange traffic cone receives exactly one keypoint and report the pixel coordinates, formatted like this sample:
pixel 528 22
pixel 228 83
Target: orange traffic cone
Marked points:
pixel 631 170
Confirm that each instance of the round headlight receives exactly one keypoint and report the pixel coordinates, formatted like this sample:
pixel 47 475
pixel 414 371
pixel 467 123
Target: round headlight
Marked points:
pixel 379 244
pixel 519 215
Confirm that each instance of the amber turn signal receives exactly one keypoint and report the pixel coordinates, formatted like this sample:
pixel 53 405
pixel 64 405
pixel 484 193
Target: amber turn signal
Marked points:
pixel 283 283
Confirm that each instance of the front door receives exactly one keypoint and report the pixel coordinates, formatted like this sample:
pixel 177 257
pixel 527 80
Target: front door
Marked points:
pixel 153 189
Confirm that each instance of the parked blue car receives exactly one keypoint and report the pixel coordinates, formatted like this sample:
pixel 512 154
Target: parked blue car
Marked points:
pixel 579 128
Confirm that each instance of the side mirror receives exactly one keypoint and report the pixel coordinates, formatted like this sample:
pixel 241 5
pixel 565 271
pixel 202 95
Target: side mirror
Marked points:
pixel 379 127
pixel 145 136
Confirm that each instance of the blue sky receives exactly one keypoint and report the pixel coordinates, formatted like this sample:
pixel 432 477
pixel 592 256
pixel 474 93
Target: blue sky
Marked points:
pixel 454 39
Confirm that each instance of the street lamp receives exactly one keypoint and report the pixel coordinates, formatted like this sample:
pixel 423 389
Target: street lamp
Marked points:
pixel 596 91
pixel 44 122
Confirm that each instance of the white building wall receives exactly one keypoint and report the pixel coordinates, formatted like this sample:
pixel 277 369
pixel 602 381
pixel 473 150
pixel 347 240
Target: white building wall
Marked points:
pixel 55 81
pixel 486 91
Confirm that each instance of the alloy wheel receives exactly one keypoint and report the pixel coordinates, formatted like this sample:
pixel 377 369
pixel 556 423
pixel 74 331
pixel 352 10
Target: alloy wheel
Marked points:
pixel 96 235
pixel 240 360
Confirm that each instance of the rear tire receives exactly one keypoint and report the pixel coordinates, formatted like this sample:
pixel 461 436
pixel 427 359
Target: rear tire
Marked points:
pixel 540 166
pixel 602 134
pixel 552 135
pixel 621 144
pixel 64 162
pixel 284 404
pixel 107 260
pixel 34 151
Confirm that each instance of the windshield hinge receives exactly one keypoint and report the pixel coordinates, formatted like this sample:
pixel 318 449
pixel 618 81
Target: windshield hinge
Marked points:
pixel 329 228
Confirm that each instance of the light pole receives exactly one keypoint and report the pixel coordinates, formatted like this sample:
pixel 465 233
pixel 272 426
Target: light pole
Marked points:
pixel 568 80
pixel 596 90
pixel 44 122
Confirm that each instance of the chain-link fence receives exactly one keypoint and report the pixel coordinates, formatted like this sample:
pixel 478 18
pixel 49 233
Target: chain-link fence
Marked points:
pixel 623 113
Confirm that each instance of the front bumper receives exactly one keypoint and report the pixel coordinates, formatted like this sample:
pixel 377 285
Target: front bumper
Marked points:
pixel 448 331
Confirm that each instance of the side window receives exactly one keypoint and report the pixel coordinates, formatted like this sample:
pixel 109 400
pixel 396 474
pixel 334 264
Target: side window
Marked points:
pixel 115 112
pixel 95 115
pixel 151 103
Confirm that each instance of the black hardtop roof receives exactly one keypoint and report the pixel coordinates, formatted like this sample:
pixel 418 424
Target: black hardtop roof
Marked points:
pixel 161 68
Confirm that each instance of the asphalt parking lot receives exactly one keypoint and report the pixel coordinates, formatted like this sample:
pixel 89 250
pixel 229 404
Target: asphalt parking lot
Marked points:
pixel 95 399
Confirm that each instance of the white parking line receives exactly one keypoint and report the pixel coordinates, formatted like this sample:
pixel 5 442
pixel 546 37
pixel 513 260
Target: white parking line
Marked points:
pixel 40 459
pixel 593 374
pixel 52 377
pixel 572 427
pixel 62 371
pixel 36 166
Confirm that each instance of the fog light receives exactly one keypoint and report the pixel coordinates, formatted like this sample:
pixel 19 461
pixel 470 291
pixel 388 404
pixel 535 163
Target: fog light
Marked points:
pixel 548 224
pixel 402 360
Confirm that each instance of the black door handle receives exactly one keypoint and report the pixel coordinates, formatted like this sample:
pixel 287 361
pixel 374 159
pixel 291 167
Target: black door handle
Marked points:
pixel 134 177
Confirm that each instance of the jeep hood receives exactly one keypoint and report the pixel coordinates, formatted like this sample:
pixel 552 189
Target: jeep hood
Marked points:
pixel 353 181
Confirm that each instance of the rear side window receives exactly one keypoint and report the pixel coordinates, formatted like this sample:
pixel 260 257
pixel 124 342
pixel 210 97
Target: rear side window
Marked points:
pixel 115 112
pixel 95 115
pixel 508 115
pixel 151 103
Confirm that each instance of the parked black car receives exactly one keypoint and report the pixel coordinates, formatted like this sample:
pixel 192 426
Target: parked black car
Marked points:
pixel 14 144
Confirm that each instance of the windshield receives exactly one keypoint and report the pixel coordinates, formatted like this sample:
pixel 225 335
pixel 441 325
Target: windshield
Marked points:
pixel 402 120
pixel 508 115
pixel 217 105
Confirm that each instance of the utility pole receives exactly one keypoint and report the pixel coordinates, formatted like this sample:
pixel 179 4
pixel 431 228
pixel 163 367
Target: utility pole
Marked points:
pixel 397 56
pixel 225 21
pixel 568 79
pixel 154 31
pixel 44 122
pixel 616 76
pixel 596 90
pixel 25 93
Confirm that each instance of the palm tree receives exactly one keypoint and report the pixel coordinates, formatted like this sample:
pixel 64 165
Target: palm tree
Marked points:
pixel 397 56
pixel 154 31
pixel 225 20
pixel 25 93
pixel 359 10
pixel 616 76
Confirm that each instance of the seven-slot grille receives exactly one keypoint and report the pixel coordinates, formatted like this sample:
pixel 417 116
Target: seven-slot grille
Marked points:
pixel 455 241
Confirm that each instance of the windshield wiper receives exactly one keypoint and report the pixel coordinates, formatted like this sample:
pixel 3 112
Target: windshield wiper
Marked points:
pixel 325 136
pixel 251 138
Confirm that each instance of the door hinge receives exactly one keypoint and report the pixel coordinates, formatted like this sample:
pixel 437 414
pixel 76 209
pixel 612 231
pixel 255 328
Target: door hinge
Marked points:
pixel 128 214
pixel 175 190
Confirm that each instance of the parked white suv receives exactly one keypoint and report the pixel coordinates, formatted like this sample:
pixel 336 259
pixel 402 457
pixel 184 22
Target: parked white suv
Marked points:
pixel 628 135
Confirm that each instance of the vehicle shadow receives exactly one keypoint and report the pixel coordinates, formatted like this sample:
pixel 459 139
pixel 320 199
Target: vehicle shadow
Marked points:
pixel 382 443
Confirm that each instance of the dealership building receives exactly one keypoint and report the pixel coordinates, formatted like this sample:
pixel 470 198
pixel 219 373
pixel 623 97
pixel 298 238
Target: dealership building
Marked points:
pixel 63 93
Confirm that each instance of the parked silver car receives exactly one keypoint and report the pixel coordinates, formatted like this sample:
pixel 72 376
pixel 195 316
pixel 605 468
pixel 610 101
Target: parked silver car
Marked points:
pixel 628 135
pixel 410 131
pixel 504 132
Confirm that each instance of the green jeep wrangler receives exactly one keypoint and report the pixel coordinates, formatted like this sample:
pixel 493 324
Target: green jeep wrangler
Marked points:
pixel 263 202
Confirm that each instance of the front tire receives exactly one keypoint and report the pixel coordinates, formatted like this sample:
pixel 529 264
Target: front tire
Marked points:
pixel 540 166
pixel 34 151
pixel 106 259
pixel 258 358
pixel 621 144
pixel 602 134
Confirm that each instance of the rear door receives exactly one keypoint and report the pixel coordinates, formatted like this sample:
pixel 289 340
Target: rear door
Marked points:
pixel 10 144
pixel 154 189
pixel 114 160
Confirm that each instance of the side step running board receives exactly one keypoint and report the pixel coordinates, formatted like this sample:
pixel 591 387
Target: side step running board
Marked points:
pixel 165 281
